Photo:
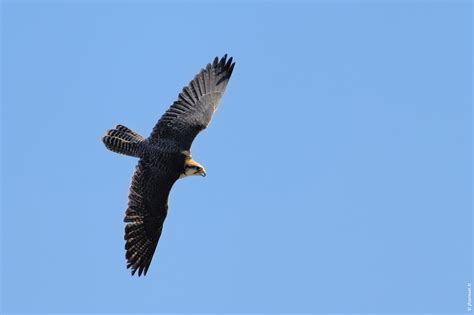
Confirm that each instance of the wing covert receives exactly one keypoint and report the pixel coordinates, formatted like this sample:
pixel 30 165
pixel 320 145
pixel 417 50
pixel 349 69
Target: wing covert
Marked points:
pixel 145 215
pixel 193 110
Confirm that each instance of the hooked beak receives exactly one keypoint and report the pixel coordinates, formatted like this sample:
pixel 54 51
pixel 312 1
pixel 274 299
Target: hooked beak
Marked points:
pixel 203 174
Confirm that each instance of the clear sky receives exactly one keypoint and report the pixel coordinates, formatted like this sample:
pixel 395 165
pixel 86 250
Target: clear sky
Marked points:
pixel 339 163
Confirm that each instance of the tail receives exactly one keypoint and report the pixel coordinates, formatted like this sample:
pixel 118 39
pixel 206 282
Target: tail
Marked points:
pixel 124 141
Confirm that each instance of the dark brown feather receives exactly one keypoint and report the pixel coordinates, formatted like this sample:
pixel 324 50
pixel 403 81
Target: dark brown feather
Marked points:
pixel 193 110
pixel 147 210
pixel 162 159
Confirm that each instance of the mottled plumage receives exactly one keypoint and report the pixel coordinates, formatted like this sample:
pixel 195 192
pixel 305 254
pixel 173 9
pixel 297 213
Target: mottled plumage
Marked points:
pixel 164 158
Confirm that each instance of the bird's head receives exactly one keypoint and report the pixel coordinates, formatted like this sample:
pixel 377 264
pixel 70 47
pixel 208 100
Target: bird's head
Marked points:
pixel 192 167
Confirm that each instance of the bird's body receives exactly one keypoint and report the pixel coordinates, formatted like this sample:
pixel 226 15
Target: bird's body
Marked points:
pixel 164 158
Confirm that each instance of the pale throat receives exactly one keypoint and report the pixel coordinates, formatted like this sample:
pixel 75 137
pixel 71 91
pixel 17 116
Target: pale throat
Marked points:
pixel 191 168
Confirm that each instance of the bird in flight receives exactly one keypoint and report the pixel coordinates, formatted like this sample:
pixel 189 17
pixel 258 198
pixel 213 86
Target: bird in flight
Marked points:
pixel 164 157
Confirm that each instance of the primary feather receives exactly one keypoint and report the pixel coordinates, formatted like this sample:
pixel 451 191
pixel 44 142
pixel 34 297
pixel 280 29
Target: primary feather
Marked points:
pixel 193 110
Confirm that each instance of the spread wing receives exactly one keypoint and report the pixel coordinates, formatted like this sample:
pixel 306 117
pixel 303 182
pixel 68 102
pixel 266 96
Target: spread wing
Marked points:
pixel 193 110
pixel 147 209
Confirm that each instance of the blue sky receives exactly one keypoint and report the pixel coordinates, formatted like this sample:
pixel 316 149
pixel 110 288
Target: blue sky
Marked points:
pixel 339 163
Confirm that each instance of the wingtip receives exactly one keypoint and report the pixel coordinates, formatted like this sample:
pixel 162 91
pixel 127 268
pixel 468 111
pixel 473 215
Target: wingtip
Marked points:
pixel 139 271
pixel 222 62
pixel 229 61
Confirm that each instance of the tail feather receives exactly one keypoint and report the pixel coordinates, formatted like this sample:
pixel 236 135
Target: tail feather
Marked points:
pixel 124 141
pixel 129 131
pixel 123 135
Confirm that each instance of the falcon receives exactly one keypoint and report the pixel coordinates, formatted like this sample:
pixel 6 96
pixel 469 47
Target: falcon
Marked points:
pixel 165 157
